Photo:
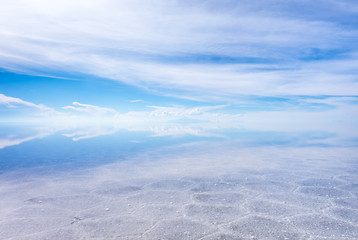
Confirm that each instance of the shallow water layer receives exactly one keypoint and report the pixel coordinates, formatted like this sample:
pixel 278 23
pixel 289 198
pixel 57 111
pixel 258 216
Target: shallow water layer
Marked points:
pixel 179 188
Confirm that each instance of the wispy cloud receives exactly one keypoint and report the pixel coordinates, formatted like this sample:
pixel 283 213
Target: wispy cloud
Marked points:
pixel 209 49
pixel 181 111
pixel 89 109
pixel 16 102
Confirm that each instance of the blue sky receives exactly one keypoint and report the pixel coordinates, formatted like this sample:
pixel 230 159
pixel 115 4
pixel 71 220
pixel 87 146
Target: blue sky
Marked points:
pixel 245 56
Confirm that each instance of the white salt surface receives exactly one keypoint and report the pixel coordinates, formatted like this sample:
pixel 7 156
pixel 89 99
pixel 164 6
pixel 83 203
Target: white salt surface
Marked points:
pixel 214 192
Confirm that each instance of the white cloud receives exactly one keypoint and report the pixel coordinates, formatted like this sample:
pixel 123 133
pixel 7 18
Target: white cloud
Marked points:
pixel 182 111
pixel 15 102
pixel 323 78
pixel 89 109
pixel 159 44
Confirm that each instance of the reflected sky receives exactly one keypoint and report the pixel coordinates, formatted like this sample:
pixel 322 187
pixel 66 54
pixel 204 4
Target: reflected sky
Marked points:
pixel 84 138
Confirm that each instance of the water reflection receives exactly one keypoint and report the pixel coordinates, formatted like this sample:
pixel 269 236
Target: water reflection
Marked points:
pixel 267 175
pixel 332 122
pixel 85 143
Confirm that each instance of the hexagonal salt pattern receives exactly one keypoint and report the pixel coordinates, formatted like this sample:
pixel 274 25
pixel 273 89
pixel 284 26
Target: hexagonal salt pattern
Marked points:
pixel 256 227
pixel 312 203
pixel 317 224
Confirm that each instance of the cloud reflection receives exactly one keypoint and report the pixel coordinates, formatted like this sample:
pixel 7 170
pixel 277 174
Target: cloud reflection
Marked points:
pixel 83 121
pixel 15 135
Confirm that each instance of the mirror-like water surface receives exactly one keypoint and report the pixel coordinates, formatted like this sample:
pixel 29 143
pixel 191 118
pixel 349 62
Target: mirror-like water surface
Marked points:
pixel 177 181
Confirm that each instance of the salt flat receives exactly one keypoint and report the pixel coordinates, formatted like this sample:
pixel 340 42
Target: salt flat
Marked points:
pixel 212 192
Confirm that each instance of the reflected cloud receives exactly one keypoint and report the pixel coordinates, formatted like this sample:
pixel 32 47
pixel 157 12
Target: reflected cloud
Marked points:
pixel 90 132
pixel 16 136
pixel 83 121
pixel 6 142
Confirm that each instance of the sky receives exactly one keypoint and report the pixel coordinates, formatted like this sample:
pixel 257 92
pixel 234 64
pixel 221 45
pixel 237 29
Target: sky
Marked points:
pixel 131 59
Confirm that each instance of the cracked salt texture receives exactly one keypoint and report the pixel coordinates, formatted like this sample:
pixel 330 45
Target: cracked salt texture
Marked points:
pixel 222 236
pixel 40 211
pixel 220 198
pixel 320 182
pixel 114 227
pixel 329 238
pixel 179 229
pixel 350 187
pixel 270 208
pixel 23 226
pixel 158 212
pixel 351 179
pixel 298 201
pixel 74 202
pixel 161 197
pixel 324 192
pixel 213 214
pixel 58 234
pixel 347 202
pixel 283 176
pixel 263 228
pixel 325 226
pixel 348 215
pixel 108 209
pixel 133 237
pixel 268 186
pixel 216 186
pixel 218 201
